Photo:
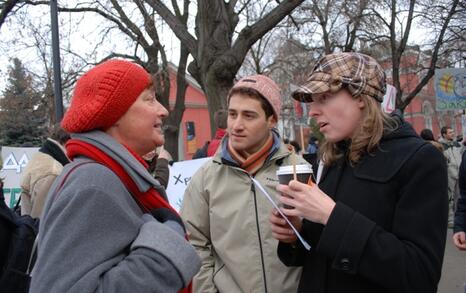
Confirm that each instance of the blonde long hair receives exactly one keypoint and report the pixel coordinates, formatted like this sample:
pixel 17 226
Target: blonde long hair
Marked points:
pixel 375 123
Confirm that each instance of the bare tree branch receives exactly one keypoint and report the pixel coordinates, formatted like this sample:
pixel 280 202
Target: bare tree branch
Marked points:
pixel 6 7
pixel 174 23
pixel 403 104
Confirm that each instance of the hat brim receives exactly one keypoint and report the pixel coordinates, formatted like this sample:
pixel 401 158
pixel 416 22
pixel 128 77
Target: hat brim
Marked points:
pixel 305 92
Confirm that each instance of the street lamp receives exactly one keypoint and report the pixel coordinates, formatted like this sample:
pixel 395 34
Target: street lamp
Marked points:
pixel 57 91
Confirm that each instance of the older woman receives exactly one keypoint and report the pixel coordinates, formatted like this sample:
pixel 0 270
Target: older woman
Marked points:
pixel 107 225
pixel 377 218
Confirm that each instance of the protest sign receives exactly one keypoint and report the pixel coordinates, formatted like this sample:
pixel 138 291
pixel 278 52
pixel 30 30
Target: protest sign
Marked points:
pixel 180 175
pixel 14 160
pixel 450 88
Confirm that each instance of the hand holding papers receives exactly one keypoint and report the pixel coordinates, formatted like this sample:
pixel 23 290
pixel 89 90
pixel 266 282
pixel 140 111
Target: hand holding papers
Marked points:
pixel 259 186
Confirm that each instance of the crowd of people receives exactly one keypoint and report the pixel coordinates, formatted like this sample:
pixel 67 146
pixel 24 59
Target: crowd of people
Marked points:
pixel 98 185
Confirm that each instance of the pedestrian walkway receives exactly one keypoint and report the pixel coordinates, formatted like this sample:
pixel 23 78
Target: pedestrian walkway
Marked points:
pixel 454 268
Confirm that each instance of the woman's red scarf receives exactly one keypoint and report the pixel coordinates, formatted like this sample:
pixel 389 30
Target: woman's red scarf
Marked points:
pixel 148 200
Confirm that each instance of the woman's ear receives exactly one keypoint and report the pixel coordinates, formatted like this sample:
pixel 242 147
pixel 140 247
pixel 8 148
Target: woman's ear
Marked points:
pixel 361 103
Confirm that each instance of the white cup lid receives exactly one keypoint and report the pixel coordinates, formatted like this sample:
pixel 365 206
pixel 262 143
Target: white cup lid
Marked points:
pixel 282 170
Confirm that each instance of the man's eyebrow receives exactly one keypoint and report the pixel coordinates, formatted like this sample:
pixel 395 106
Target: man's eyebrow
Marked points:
pixel 242 111
pixel 249 112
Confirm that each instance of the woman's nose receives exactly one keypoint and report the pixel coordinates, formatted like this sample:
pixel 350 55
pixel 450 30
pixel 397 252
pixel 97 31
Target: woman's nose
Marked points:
pixel 163 112
pixel 314 110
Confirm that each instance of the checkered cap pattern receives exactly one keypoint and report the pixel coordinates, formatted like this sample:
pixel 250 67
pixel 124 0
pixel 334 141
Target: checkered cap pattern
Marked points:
pixel 361 74
pixel 266 87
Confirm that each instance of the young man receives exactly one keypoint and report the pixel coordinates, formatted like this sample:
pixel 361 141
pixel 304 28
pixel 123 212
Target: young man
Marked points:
pixel 226 216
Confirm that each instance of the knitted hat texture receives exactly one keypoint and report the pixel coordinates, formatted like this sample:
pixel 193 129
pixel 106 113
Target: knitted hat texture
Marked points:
pixel 266 87
pixel 104 94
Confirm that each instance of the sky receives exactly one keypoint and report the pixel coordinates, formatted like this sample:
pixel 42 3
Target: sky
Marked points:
pixel 82 40
pixel 83 37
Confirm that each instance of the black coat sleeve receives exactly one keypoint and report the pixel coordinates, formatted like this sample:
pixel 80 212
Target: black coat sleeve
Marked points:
pixel 162 172
pixel 460 214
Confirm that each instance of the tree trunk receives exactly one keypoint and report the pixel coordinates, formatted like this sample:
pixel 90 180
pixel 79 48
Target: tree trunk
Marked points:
pixel 216 58
pixel 172 129
pixel 216 99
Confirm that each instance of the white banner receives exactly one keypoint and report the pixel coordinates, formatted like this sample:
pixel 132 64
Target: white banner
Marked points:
pixel 180 175
pixel 14 161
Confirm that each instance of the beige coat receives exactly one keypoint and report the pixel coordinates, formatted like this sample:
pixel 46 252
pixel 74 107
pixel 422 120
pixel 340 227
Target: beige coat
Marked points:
pixel 453 152
pixel 38 176
pixel 227 223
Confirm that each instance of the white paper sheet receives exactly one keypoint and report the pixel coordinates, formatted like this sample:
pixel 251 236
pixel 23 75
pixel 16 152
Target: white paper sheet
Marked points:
pixel 258 185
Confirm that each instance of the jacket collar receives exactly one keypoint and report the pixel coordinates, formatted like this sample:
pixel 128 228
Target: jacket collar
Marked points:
pixel 55 150
pixel 278 151
pixel 119 153
pixel 391 154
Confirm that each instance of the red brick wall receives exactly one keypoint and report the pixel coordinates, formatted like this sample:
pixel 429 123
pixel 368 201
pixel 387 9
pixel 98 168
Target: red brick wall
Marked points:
pixel 196 111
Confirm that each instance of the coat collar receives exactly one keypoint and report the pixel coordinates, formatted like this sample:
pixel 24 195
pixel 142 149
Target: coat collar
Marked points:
pixel 391 154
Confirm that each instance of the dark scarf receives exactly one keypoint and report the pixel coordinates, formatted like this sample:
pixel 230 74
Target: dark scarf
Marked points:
pixel 52 149
pixel 146 200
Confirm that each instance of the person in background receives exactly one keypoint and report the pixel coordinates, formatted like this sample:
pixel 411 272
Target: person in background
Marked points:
pixel 376 219
pixel 107 225
pixel 459 228
pixel 312 146
pixel 296 147
pixel 225 213
pixel 202 151
pixel 41 171
pixel 428 135
pixel 158 161
pixel 453 151
pixel 311 154
pixel 220 118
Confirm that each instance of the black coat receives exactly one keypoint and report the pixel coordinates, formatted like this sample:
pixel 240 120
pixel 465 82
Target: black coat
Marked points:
pixel 387 231
pixel 7 225
pixel 460 214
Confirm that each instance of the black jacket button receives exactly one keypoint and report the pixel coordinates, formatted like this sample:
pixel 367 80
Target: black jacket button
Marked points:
pixel 345 264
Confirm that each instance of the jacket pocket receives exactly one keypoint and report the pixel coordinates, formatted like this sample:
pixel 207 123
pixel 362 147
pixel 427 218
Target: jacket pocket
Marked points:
pixel 223 280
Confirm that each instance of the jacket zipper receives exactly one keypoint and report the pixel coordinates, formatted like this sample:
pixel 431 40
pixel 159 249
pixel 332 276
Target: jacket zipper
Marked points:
pixel 253 189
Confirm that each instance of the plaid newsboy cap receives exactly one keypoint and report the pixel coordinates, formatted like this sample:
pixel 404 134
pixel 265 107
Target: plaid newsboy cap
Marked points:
pixel 359 73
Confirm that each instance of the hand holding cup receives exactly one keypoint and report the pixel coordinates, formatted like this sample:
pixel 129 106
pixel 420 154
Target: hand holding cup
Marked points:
pixel 286 173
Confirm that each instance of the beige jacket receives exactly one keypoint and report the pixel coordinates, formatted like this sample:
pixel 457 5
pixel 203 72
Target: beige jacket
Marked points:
pixel 227 223
pixel 38 176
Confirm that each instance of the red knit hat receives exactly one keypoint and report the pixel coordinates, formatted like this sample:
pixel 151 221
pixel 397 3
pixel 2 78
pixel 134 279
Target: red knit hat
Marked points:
pixel 266 87
pixel 104 94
